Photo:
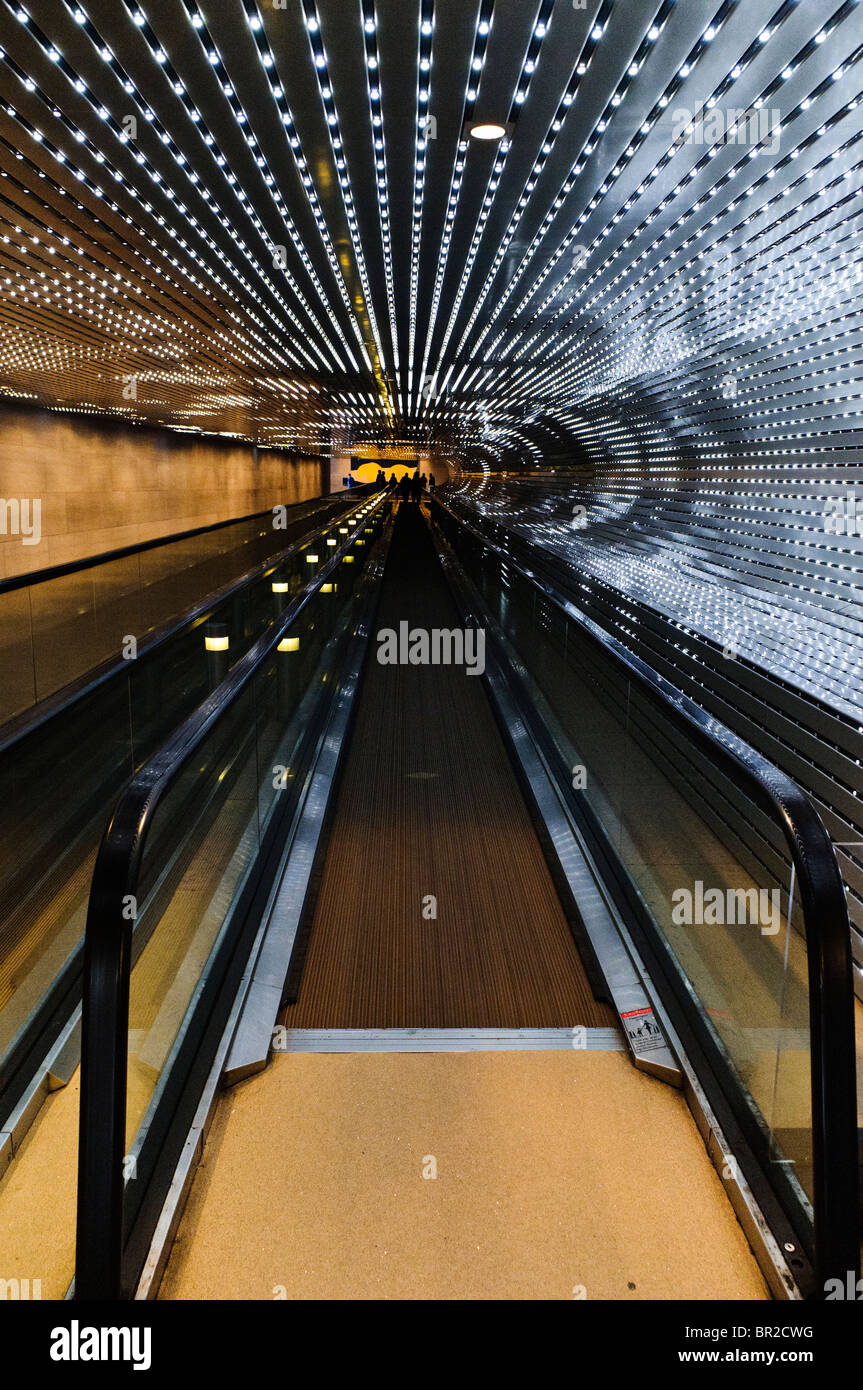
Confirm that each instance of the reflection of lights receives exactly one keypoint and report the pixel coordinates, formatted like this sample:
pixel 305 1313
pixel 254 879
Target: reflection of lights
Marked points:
pixel 233 343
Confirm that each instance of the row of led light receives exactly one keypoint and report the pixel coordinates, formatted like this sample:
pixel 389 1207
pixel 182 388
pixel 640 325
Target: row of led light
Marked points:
pixel 701 164
pixel 734 284
pixel 153 322
pixel 790 317
pixel 809 335
pixel 60 190
pixel 731 233
pixel 99 156
pixel 667 258
pixel 580 68
pixel 240 194
pixel 734 230
pixel 241 119
pixel 687 67
pixel 477 60
pixel 797 302
pixel 631 360
pixel 812 443
pixel 379 155
pixel 766 296
pixel 704 599
pixel 268 63
pixel 260 356
pixel 57 357
pixel 652 34
pixel 522 87
pixel 614 505
pixel 343 179
pixel 753 426
pixel 217 209
pixel 424 49
pixel 271 183
pixel 157 322
pixel 190 374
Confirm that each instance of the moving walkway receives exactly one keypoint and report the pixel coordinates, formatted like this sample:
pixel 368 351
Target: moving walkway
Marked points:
pixel 596 856
pixel 121 648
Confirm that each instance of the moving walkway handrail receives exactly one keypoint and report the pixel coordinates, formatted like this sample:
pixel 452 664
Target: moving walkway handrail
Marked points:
pixel 25 723
pixel 30 1041
pixel 826 922
pixel 31 577
pixel 108 961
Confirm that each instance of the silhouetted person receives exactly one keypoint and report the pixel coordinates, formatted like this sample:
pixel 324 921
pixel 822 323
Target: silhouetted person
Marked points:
pixel 416 486
pixel 405 488
pixel 381 479
pixel 393 483
pixel 423 481
pixel 432 484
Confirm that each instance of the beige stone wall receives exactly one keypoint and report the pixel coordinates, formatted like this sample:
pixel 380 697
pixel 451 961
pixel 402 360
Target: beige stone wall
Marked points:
pixel 102 486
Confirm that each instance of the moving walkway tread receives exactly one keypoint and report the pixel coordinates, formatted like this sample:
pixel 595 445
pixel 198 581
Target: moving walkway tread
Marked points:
pixel 429 806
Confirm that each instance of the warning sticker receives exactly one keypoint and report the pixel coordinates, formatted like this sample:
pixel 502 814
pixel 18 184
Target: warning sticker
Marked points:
pixel 642 1030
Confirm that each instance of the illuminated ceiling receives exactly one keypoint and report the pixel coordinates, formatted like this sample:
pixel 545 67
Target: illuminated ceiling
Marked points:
pixel 269 219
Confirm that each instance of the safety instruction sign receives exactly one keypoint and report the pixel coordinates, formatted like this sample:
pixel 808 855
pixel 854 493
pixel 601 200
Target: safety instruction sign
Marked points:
pixel 642 1030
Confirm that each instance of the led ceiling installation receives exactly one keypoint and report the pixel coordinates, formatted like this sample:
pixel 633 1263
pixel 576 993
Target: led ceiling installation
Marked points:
pixel 282 222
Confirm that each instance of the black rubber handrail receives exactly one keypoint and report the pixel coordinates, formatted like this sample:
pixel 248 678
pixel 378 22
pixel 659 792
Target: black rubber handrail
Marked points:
pixel 107 968
pixel 826 923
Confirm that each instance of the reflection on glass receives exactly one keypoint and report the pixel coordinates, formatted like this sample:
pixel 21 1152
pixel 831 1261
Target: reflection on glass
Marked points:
pixel 710 867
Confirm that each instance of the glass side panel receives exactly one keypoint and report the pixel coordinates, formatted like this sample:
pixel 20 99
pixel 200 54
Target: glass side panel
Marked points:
pixel 17 673
pixel 208 828
pixel 53 631
pixel 709 866
pixel 58 785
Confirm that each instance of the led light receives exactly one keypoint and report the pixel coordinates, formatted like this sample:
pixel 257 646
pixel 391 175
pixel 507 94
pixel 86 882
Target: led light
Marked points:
pixel 216 644
pixel 289 644
pixel 279 586
pixel 487 130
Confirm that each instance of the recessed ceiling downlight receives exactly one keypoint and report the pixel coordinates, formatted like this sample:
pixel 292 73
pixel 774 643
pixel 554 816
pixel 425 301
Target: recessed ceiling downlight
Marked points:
pixel 487 130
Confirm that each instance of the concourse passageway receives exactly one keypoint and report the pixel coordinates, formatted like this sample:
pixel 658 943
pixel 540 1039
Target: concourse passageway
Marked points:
pixel 431 668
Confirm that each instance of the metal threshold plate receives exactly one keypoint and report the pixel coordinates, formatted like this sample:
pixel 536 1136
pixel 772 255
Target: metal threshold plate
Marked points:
pixel 449 1040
